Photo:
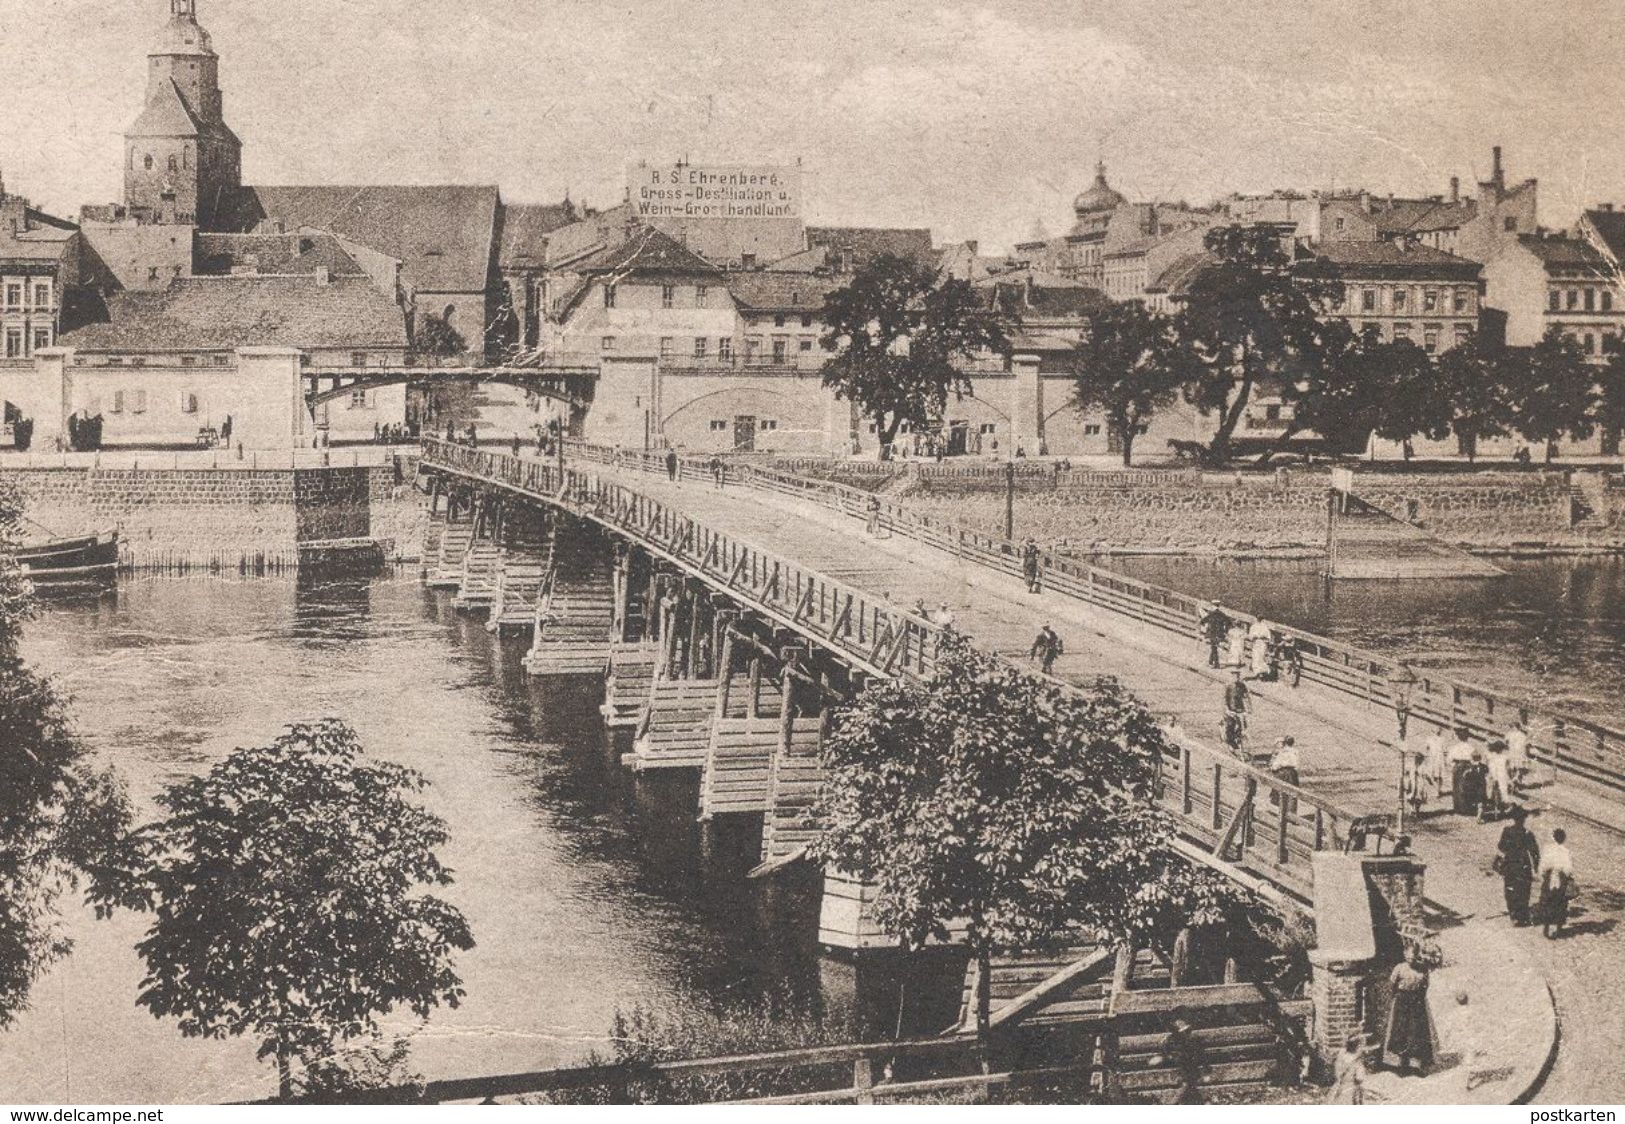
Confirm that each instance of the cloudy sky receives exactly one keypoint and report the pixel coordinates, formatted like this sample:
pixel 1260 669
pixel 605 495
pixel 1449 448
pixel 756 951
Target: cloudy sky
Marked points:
pixel 976 119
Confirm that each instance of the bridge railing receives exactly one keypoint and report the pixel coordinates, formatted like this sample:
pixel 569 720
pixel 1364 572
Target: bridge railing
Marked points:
pixel 1565 742
pixel 1248 816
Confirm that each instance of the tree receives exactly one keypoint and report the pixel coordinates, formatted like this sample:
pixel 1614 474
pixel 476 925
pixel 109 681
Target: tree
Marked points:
pixel 992 799
pixel 900 331
pixel 1610 408
pixel 1416 396
pixel 63 823
pixel 1551 390
pixel 1129 365
pixel 284 888
pixel 435 336
pixel 1250 317
pixel 1472 381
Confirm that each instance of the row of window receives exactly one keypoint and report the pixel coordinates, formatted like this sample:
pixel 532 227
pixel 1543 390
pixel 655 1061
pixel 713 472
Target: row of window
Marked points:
pixel 725 348
pixel 16 294
pixel 1571 300
pixel 1401 299
pixel 1404 330
pixel 779 320
pixel 668 296
pixel 21 343
pixel 742 422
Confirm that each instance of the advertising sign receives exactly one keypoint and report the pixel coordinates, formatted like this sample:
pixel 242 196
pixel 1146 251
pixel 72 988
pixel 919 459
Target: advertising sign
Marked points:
pixel 714 191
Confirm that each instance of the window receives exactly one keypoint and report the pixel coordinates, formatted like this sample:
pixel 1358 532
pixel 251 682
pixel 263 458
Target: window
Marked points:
pixel 778 321
pixel 725 349
pixel 188 402
pixel 1460 301
pixel 174 165
pixel 768 423
pixel 358 358
pixel 1509 223
pixel 1272 413
pixel 147 163
pixel 779 348
pixel 668 296
pixel 607 343
pixel 1591 300
pixel 609 296
pixel 1589 341
pixel 806 345
pixel 42 296
pixel 219 360
pixel 1430 338
pixel 1402 331
pixel 358 399
pixel 1573 299
pixel 115 360
pixel 138 402
pixel 1091 431
pixel 1555 301
pixel 702 296
pixel 986 427
pixel 14 343
pixel 118 402
pixel 14 296
pixel 806 320
pixel 699 347
pixel 1399 300
pixel 748 260
pixel 1338 225
pixel 665 347
pixel 1368 300
pixel 138 361
pixel 1430 300
pixel 189 361
pixel 42 338
pixel 1464 332
pixel 719 425
pixel 1607 300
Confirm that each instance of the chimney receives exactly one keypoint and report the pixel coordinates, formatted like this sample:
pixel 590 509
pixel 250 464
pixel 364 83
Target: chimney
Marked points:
pixel 1365 201
pixel 1455 189
pixel 1605 207
pixel 1496 176
pixel 323 275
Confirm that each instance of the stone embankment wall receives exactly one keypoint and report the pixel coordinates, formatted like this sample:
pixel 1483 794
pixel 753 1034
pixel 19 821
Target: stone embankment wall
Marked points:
pixel 231 519
pixel 1284 514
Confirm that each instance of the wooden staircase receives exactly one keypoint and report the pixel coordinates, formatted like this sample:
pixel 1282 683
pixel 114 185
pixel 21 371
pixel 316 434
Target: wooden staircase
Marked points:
pixel 519 587
pixel 575 618
pixel 447 570
pixel 797 773
pixel 631 672
pixel 482 567
pixel 745 735
pixel 676 729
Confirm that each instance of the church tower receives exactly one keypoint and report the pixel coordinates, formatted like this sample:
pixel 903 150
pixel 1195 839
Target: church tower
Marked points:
pixel 179 154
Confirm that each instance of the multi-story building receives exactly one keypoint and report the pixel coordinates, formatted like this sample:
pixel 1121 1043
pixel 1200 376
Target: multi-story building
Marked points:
pixel 1403 291
pixel 39 271
pixel 1548 279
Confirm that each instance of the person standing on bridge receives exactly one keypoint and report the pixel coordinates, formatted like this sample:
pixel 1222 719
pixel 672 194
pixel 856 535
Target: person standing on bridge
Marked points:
pixel 1518 753
pixel 1517 857
pixel 1410 1031
pixel 871 526
pixel 1214 626
pixel 1237 704
pixel 1029 563
pixel 1557 886
pixel 1047 648
pixel 1260 639
pixel 717 471
pixel 944 617
pixel 516 444
pixel 1466 774
pixel 671 464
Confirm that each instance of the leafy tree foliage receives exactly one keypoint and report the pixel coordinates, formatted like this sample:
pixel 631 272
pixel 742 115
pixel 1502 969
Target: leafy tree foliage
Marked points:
pixel 284 887
pixel 1129 365
pixel 1250 318
pixel 1472 381
pixel 1610 408
pixel 436 336
pixel 900 331
pixel 1551 390
pixel 1415 395
pixel 63 823
pixel 991 799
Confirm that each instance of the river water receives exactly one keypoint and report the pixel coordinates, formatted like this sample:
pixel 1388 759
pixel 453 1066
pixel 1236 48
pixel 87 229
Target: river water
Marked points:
pixel 587 892
pixel 1552 631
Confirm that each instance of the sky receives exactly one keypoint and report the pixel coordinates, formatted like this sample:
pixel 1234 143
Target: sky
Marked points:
pixel 980 120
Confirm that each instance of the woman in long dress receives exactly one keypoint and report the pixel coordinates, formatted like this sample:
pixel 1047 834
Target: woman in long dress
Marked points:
pixel 1237 655
pixel 1556 875
pixel 1410 1033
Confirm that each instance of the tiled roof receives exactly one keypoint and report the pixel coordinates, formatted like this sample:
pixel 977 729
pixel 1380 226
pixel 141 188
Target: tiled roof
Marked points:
pixel 229 312
pixel 864 243
pixel 771 290
pixel 1384 259
pixel 1177 277
pixel 40 243
pixel 1021 301
pixel 274 254
pixel 645 250
pixel 525 228
pixel 1025 274
pixel 166 116
pixel 442 235
pixel 1610 228
pixel 1562 251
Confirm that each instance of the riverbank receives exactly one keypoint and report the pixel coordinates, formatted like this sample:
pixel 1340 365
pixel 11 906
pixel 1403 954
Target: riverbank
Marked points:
pixel 228 516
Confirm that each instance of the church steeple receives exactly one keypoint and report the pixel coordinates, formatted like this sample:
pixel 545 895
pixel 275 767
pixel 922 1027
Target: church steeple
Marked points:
pixel 179 153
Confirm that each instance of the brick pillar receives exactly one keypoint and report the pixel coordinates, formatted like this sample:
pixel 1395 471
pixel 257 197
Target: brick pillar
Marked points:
pixel 1026 406
pixel 1337 988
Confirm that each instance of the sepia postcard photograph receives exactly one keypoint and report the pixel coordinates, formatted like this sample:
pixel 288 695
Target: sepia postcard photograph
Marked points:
pixel 911 552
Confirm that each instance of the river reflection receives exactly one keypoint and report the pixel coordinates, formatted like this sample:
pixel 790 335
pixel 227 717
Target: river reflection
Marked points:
pixel 1553 630
pixel 587 889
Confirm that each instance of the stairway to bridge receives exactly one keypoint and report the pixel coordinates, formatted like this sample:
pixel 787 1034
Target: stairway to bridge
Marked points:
pixel 575 617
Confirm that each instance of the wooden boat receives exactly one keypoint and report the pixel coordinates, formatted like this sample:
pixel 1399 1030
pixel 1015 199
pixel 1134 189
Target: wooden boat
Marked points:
pixel 86 558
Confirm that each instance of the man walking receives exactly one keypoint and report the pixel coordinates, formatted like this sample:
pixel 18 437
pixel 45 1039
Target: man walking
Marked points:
pixel 717 471
pixel 1047 648
pixel 1237 703
pixel 1214 626
pixel 671 465
pixel 1029 564
pixel 1517 857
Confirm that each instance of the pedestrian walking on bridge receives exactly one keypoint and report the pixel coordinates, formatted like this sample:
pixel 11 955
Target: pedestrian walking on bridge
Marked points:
pixel 671 465
pixel 1517 857
pixel 1237 704
pixel 717 471
pixel 1557 885
pixel 1029 564
pixel 1214 626
pixel 872 526
pixel 1047 648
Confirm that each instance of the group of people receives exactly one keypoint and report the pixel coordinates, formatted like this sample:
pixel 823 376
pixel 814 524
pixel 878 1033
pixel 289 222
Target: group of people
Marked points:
pixel 1524 864
pixel 395 433
pixel 1481 780
pixel 468 435
pixel 1261 650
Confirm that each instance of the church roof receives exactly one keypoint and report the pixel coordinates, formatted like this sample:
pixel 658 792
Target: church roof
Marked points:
pixel 271 254
pixel 166 115
pixel 1098 196
pixel 443 236
pixel 182 36
pixel 525 228
pixel 216 313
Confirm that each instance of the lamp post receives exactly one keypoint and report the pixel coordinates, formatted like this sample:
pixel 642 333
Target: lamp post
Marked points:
pixel 1010 500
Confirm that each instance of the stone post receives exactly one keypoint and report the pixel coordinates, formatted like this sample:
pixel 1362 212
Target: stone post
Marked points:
pixel 268 404
pixel 1026 406
pixel 44 394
